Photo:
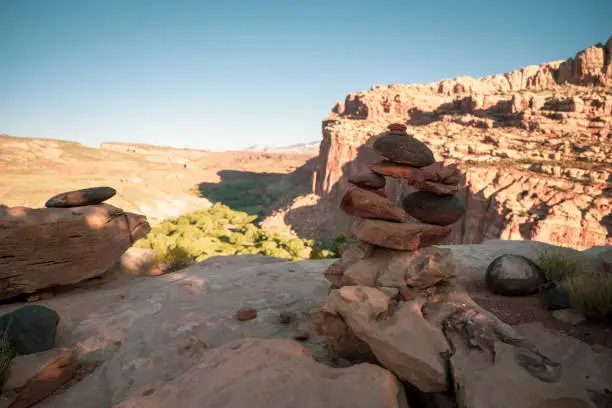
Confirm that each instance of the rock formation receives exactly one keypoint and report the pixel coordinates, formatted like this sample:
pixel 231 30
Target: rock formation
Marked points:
pixel 394 300
pixel 47 247
pixel 534 145
pixel 152 337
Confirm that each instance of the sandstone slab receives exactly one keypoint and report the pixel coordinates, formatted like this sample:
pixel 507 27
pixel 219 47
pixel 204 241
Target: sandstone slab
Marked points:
pixel 585 370
pixel 271 373
pixel 79 198
pixel 400 236
pixel 30 329
pixel 391 336
pixel 436 172
pixel 352 252
pixel 404 149
pixel 363 203
pixel 146 331
pixel 36 376
pixel 61 246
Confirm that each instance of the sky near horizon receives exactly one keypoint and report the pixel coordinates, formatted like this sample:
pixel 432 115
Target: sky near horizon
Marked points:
pixel 224 75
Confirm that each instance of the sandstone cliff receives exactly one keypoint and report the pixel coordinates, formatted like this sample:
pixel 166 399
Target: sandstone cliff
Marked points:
pixel 535 144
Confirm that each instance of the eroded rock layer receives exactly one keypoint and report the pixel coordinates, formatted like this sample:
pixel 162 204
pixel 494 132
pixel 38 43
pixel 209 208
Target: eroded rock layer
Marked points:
pixel 535 145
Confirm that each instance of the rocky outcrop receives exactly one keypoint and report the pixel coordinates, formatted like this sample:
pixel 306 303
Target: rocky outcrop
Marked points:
pixel 36 376
pixel 534 145
pixel 271 373
pixel 151 337
pixel 48 247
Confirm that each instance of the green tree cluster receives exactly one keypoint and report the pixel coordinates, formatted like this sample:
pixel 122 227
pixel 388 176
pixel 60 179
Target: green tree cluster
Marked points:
pixel 219 230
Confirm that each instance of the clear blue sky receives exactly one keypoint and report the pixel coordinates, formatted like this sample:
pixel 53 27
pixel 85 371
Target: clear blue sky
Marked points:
pixel 228 74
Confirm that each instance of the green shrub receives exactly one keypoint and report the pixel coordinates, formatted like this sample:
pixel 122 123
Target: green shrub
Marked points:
pixel 219 230
pixel 589 292
pixel 556 266
pixel 6 356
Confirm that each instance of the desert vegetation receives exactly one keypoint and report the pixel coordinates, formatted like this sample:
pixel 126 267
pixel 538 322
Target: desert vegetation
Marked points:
pixel 590 293
pixel 220 230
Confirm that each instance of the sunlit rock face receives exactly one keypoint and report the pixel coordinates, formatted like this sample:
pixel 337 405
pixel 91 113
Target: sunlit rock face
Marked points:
pixel 48 247
pixel 534 145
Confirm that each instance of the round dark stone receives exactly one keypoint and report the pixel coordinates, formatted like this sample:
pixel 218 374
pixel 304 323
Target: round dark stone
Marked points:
pixel 79 198
pixel 30 329
pixel 404 149
pixel 514 275
pixel 433 208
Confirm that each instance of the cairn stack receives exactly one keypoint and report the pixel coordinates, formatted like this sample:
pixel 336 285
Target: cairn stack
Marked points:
pixel 384 230
pixel 394 301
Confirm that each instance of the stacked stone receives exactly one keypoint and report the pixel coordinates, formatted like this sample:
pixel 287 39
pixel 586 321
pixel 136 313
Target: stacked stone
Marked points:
pixel 393 299
pixel 384 229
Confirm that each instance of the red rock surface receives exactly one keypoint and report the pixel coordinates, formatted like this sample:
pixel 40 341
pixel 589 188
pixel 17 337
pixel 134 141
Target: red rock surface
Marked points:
pixel 535 145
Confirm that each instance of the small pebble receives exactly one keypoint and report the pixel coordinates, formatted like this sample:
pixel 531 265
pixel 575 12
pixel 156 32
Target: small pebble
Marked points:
pixel 300 334
pixel 246 313
pixel 285 317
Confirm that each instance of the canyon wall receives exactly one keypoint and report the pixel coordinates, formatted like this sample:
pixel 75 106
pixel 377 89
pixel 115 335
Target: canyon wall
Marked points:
pixel 535 146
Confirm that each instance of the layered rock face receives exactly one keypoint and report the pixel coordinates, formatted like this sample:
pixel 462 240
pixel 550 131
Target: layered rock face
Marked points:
pixel 535 145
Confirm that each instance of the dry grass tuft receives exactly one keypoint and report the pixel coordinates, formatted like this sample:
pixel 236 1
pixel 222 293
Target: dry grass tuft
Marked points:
pixel 589 292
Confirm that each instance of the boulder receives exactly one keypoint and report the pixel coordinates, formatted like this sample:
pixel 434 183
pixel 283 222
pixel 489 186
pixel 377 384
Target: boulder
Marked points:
pixel 433 208
pixel 364 203
pixel 401 236
pixel 36 376
pixel 418 359
pixel 271 373
pixel 404 149
pixel 514 275
pixel 584 371
pixel 79 198
pixel 30 329
pixel 421 269
pixel 138 262
pixel 61 246
pixel 368 180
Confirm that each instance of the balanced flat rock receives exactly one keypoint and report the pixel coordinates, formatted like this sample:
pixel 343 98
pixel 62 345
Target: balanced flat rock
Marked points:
pixel 79 198
pixel 401 236
pixel 363 203
pixel 404 149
